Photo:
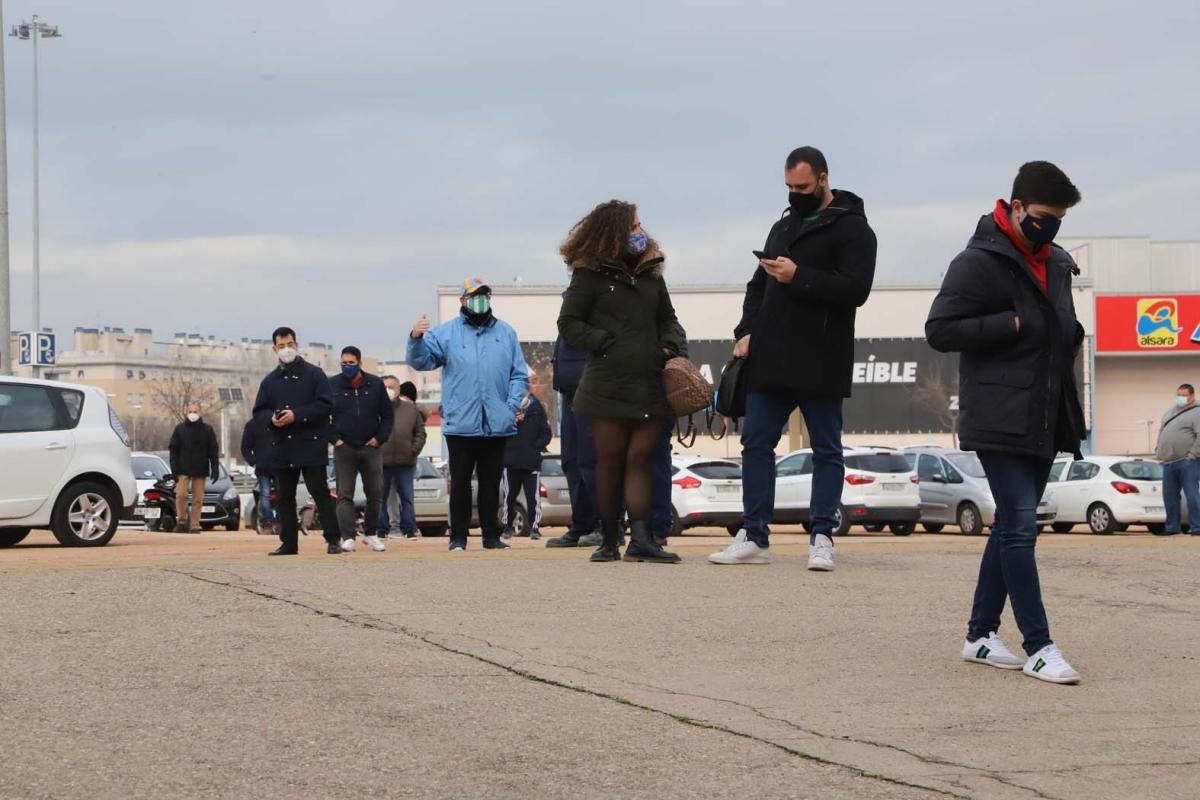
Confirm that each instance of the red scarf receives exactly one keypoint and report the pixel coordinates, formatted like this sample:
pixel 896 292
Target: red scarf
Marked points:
pixel 358 380
pixel 1036 261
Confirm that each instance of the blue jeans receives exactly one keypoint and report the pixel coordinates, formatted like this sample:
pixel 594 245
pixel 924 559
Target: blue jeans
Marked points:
pixel 1009 567
pixel 661 469
pixel 402 478
pixel 266 511
pixel 766 414
pixel 579 464
pixel 1182 476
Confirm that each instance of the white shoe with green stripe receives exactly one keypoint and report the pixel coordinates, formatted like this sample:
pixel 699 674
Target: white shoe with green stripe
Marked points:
pixel 1048 664
pixel 991 651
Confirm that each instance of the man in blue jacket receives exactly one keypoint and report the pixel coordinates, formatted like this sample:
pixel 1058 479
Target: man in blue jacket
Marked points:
pixel 484 381
pixel 362 421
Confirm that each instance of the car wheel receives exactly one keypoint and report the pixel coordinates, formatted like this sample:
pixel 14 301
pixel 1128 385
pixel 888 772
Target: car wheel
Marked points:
pixel 874 527
pixel 433 530
pixel 11 536
pixel 934 528
pixel 520 521
pixel 166 524
pixel 1100 520
pixel 676 523
pixel 734 529
pixel 206 526
pixel 308 518
pixel 970 521
pixel 902 528
pixel 841 525
pixel 233 526
pixel 85 516
pixel 1157 528
pixel 1062 527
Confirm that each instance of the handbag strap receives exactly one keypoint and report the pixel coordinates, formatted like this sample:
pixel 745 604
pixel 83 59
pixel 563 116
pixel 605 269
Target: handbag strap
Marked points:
pixel 711 417
pixel 682 436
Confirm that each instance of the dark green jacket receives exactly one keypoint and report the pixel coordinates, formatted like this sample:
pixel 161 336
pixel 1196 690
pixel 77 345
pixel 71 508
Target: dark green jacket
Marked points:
pixel 623 320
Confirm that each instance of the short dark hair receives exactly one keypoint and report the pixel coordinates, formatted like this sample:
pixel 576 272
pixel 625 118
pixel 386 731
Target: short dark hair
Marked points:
pixel 1188 388
pixel 808 155
pixel 282 333
pixel 409 390
pixel 351 350
pixel 1045 184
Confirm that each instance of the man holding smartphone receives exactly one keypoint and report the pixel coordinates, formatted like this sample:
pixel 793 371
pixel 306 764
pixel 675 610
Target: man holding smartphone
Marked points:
pixel 813 273
pixel 295 401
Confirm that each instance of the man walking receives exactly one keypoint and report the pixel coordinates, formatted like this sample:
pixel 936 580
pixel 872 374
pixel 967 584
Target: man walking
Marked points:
pixel 397 515
pixel 523 465
pixel 1179 451
pixel 295 401
pixel 194 457
pixel 258 450
pixel 484 379
pixel 817 268
pixel 578 451
pixel 362 422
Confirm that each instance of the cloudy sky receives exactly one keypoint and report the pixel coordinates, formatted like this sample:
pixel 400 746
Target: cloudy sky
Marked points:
pixel 225 166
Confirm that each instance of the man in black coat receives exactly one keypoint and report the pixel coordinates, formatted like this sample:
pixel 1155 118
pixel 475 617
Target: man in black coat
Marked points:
pixel 1006 306
pixel 523 464
pixel 816 269
pixel 362 421
pixel 295 401
pixel 258 450
pixel 194 457
pixel 578 450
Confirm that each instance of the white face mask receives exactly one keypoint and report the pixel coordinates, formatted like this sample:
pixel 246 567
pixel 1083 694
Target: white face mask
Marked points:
pixel 1181 400
pixel 392 395
pixel 286 355
pixel 193 417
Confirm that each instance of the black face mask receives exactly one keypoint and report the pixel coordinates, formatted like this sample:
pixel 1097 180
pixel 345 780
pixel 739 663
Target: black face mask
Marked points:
pixel 805 205
pixel 1040 231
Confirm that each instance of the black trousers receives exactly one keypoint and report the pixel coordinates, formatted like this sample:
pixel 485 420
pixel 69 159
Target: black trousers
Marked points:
pixel 481 457
pixel 286 481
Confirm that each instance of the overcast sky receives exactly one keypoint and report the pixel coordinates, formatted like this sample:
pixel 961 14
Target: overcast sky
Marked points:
pixel 226 166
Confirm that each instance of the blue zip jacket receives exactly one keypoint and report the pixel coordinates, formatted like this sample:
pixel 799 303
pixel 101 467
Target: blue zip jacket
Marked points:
pixel 484 375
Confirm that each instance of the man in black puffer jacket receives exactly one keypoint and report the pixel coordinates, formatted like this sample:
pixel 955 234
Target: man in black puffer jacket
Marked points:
pixel 578 450
pixel 1006 306
pixel 523 465
pixel 817 268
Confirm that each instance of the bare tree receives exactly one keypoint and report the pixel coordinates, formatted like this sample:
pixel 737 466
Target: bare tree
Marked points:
pixel 937 394
pixel 172 395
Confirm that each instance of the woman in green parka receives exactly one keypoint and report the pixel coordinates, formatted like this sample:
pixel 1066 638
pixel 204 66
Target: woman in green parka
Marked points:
pixel 618 310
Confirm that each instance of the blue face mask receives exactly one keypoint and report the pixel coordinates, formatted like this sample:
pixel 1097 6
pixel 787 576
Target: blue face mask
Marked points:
pixel 638 242
pixel 349 371
pixel 1180 400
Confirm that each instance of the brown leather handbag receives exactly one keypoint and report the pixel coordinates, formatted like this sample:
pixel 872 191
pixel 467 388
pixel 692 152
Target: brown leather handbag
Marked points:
pixel 687 391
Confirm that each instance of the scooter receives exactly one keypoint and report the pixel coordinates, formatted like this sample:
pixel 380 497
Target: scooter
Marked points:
pixel 160 504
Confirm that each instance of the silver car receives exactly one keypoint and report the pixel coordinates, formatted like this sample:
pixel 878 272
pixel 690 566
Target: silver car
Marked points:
pixel 955 491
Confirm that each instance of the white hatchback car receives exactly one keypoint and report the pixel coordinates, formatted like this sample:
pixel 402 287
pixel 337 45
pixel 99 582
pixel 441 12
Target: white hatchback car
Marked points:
pixel 66 463
pixel 705 491
pixel 1108 494
pixel 880 489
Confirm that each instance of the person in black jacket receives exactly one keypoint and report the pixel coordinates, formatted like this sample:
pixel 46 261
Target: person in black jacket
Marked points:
pixel 617 308
pixel 578 450
pixel 258 450
pixel 523 464
pixel 817 268
pixel 194 457
pixel 1005 305
pixel 362 421
pixel 295 401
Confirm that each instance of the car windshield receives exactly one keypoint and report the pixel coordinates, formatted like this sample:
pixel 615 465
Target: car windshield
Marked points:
pixel 426 469
pixel 148 468
pixel 1139 470
pixel 879 462
pixel 552 468
pixel 717 471
pixel 967 463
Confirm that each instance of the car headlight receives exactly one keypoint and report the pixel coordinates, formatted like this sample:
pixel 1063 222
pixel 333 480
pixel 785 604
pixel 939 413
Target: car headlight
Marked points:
pixel 230 494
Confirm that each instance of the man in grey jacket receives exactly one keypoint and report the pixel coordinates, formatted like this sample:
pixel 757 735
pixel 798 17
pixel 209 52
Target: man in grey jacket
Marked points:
pixel 397 517
pixel 1179 451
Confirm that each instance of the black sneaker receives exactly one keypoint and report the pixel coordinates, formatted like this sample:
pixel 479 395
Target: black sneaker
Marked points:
pixel 495 544
pixel 457 546
pixel 507 534
pixel 567 540
pixel 333 548
pixel 535 534
pixel 593 539
pixel 284 550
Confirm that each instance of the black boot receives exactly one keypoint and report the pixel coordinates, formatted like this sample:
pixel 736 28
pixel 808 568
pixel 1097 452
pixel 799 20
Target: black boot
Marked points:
pixel 609 550
pixel 568 539
pixel 642 546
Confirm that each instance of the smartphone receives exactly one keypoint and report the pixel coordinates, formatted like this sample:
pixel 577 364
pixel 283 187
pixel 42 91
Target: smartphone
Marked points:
pixel 278 414
pixel 760 255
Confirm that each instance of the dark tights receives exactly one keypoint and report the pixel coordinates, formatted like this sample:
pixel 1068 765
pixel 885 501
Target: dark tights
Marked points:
pixel 624 457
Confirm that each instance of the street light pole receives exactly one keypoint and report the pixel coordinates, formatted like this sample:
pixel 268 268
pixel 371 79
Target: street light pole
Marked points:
pixel 5 305
pixel 36 30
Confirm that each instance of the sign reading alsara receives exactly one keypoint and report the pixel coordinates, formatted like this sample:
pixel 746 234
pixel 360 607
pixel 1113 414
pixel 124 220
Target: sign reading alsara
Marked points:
pixel 1148 324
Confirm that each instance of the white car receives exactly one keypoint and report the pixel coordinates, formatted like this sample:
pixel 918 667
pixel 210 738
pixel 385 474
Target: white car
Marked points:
pixel 880 489
pixel 1108 494
pixel 67 463
pixel 148 469
pixel 705 491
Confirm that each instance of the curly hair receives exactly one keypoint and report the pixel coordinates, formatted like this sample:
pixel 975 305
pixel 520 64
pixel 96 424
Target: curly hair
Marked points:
pixel 602 236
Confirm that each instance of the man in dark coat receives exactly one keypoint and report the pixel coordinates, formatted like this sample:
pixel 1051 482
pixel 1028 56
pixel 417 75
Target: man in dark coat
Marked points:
pixel 362 422
pixel 578 450
pixel 194 457
pixel 523 464
pixel 1005 305
pixel 295 401
pixel 817 268
pixel 258 450
pixel 397 512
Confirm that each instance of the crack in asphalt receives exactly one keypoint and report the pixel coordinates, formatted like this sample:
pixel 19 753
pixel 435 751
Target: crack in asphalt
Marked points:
pixel 368 622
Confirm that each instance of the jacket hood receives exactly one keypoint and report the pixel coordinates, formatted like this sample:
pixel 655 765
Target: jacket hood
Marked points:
pixel 989 237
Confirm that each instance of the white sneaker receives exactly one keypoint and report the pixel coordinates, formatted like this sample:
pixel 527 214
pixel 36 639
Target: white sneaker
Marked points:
pixel 376 544
pixel 1048 664
pixel 820 554
pixel 348 545
pixel 742 551
pixel 991 651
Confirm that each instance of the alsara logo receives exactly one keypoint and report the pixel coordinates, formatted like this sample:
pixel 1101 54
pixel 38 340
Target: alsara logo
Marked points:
pixel 1158 322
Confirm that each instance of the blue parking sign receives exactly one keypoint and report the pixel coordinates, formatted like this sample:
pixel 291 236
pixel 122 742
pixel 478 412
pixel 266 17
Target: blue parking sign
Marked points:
pixel 36 350
pixel 46 350
pixel 25 349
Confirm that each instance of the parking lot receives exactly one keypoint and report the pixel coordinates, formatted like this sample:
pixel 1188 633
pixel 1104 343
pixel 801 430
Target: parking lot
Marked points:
pixel 192 666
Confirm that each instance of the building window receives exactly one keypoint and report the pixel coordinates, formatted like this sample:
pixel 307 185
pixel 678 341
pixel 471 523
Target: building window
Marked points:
pixel 141 374
pixel 128 374
pixel 79 374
